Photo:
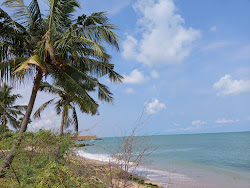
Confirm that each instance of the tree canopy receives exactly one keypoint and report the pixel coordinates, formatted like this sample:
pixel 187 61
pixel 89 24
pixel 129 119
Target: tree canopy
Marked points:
pixel 71 51
pixel 9 112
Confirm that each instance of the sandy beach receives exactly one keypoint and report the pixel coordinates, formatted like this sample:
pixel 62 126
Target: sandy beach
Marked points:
pixel 102 168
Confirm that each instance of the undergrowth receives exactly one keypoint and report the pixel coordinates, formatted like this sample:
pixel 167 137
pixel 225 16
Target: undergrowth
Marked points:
pixel 43 160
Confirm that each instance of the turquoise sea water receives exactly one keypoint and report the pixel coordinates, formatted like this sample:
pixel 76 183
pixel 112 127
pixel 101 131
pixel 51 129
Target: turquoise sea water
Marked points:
pixel 226 154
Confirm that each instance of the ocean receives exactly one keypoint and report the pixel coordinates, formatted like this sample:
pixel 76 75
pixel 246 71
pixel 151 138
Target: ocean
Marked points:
pixel 197 160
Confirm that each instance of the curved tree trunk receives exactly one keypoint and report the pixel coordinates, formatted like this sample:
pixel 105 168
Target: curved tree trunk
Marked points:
pixel 63 118
pixel 9 158
pixel 76 128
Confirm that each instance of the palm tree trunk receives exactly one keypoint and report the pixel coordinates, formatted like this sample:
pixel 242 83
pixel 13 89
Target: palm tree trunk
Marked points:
pixel 9 158
pixel 62 122
pixel 76 128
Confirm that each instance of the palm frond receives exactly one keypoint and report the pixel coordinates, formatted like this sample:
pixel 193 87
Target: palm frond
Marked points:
pixel 75 86
pixel 20 11
pixel 58 107
pixel 30 63
pixel 45 86
pixel 67 119
pixel 104 94
pixel 35 14
pixel 20 107
pixel 97 28
pixel 75 119
pixel 37 114
pixel 97 68
pixel 61 13
pixel 12 121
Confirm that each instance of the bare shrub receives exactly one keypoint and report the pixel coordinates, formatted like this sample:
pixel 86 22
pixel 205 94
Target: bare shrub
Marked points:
pixel 131 152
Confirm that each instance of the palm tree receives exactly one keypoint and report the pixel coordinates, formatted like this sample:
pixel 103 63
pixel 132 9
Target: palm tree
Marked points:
pixel 8 111
pixel 66 103
pixel 68 50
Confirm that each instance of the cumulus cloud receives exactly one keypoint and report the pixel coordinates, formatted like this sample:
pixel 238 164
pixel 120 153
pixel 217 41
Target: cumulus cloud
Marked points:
pixel 129 90
pixel 163 37
pixel 154 107
pixel 129 47
pixel 135 77
pixel 224 120
pixel 227 86
pixel 213 29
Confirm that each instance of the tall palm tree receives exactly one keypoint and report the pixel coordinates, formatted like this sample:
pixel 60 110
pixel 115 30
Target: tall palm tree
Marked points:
pixel 68 50
pixel 65 103
pixel 8 111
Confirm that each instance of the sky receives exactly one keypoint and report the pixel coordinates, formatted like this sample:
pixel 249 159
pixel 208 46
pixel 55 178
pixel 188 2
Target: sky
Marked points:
pixel 186 68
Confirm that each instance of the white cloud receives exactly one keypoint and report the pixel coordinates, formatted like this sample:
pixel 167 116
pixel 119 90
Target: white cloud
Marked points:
pixel 129 47
pixel 198 122
pixel 227 86
pixel 196 125
pixel 154 107
pixel 164 40
pixel 135 77
pixel 213 29
pixel 224 120
pixel 49 120
pixel 129 90
pixel 154 74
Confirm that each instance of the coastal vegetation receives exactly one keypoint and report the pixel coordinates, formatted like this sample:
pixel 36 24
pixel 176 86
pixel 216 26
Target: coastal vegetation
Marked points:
pixel 47 159
pixel 57 46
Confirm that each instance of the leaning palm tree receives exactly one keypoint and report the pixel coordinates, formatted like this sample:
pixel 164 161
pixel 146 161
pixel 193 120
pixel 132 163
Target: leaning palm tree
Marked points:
pixel 8 111
pixel 65 103
pixel 70 51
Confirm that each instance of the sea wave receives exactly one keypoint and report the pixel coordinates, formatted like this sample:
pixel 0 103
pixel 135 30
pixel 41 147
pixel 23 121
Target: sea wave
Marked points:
pixel 98 157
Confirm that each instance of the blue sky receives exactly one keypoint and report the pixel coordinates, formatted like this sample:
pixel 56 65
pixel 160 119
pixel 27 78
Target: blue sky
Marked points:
pixel 185 63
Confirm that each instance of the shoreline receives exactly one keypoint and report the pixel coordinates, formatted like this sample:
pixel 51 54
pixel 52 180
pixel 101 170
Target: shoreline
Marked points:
pixel 182 176
pixel 174 179
pixel 101 164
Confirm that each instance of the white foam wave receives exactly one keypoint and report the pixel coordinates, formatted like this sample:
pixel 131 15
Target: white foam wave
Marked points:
pixel 160 173
pixel 98 157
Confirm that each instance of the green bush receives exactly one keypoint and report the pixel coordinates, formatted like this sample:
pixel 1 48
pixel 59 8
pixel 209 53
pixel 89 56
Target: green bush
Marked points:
pixel 43 160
